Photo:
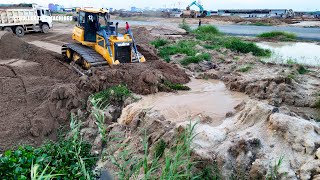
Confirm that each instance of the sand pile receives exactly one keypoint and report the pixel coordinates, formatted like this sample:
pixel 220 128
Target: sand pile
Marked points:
pixel 37 93
pixel 144 78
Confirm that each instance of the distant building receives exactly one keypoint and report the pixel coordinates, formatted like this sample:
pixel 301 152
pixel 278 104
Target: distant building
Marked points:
pixel 58 7
pixel 133 9
pixel 256 13
pixel 52 7
pixel 69 9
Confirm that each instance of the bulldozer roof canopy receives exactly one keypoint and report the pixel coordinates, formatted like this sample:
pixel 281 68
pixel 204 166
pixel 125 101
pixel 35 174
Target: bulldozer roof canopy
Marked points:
pixel 93 10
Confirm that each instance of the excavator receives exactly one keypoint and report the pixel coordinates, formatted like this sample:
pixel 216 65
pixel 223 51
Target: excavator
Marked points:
pixel 98 42
pixel 193 14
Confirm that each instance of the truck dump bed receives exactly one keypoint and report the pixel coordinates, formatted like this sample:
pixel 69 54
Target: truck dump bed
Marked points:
pixel 12 16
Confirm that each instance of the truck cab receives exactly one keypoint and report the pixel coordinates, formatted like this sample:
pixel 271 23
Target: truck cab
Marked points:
pixel 44 15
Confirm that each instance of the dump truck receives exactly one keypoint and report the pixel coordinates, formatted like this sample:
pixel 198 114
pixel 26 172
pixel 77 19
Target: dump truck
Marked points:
pixel 99 43
pixel 22 18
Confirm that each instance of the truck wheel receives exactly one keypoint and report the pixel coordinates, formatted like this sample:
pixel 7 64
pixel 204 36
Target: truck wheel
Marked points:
pixel 45 28
pixel 19 31
pixel 8 29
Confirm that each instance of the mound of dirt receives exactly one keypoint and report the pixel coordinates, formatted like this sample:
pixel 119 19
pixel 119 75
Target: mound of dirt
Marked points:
pixel 37 92
pixel 145 78
pixel 256 137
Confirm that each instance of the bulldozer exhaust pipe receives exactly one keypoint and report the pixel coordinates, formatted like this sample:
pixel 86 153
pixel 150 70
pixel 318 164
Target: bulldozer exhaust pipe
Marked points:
pixel 117 24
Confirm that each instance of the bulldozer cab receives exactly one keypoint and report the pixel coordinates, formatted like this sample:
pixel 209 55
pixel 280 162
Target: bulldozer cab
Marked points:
pixel 89 22
pixel 92 21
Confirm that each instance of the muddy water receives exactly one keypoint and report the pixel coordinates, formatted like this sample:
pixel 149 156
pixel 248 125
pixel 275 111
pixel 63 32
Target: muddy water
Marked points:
pixel 206 98
pixel 297 52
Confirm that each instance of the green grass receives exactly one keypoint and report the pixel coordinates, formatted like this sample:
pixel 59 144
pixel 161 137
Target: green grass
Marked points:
pixel 195 59
pixel 113 94
pixel 245 68
pixel 284 36
pixel 175 86
pixel 181 47
pixel 274 172
pixel 159 149
pixel 207 29
pixel 260 24
pixel 62 159
pixel 210 38
pixel 239 45
pixel 176 161
pixel 291 61
pixel 207 33
pixel 302 70
pixel 291 76
pixel 216 40
pixel 185 26
pixel 159 43
pixel 318 103
pixel 172 162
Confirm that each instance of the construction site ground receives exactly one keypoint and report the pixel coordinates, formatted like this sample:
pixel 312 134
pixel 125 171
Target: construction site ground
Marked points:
pixel 247 120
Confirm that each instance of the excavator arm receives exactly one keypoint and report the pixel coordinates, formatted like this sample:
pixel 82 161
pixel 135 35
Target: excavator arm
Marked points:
pixel 203 13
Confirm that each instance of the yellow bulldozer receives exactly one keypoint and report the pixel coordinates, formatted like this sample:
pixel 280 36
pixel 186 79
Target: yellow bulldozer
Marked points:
pixel 98 42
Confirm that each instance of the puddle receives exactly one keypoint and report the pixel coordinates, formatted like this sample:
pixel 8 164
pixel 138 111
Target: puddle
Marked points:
pixel 293 52
pixel 206 98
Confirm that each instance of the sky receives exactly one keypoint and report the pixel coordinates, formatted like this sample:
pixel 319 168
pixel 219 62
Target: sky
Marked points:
pixel 304 5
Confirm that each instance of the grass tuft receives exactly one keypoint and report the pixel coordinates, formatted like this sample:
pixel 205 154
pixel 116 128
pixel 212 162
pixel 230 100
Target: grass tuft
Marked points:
pixel 185 26
pixel 245 68
pixel 115 93
pixel 207 29
pixel 159 42
pixel 260 24
pixel 195 59
pixel 181 47
pixel 239 45
pixel 302 70
pixel 159 149
pixel 176 161
pixel 283 36
pixel 175 86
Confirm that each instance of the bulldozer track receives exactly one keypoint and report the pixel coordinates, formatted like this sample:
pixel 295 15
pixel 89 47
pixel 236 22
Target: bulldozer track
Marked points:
pixel 88 54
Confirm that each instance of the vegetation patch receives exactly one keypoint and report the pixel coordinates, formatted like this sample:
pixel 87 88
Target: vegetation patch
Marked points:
pixel 260 24
pixel 172 162
pixel 175 86
pixel 113 94
pixel 216 40
pixel 195 59
pixel 207 29
pixel 239 45
pixel 302 70
pixel 291 61
pixel 181 47
pixel 159 42
pixel 245 68
pixel 318 102
pixel 69 158
pixel 185 26
pixel 279 35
